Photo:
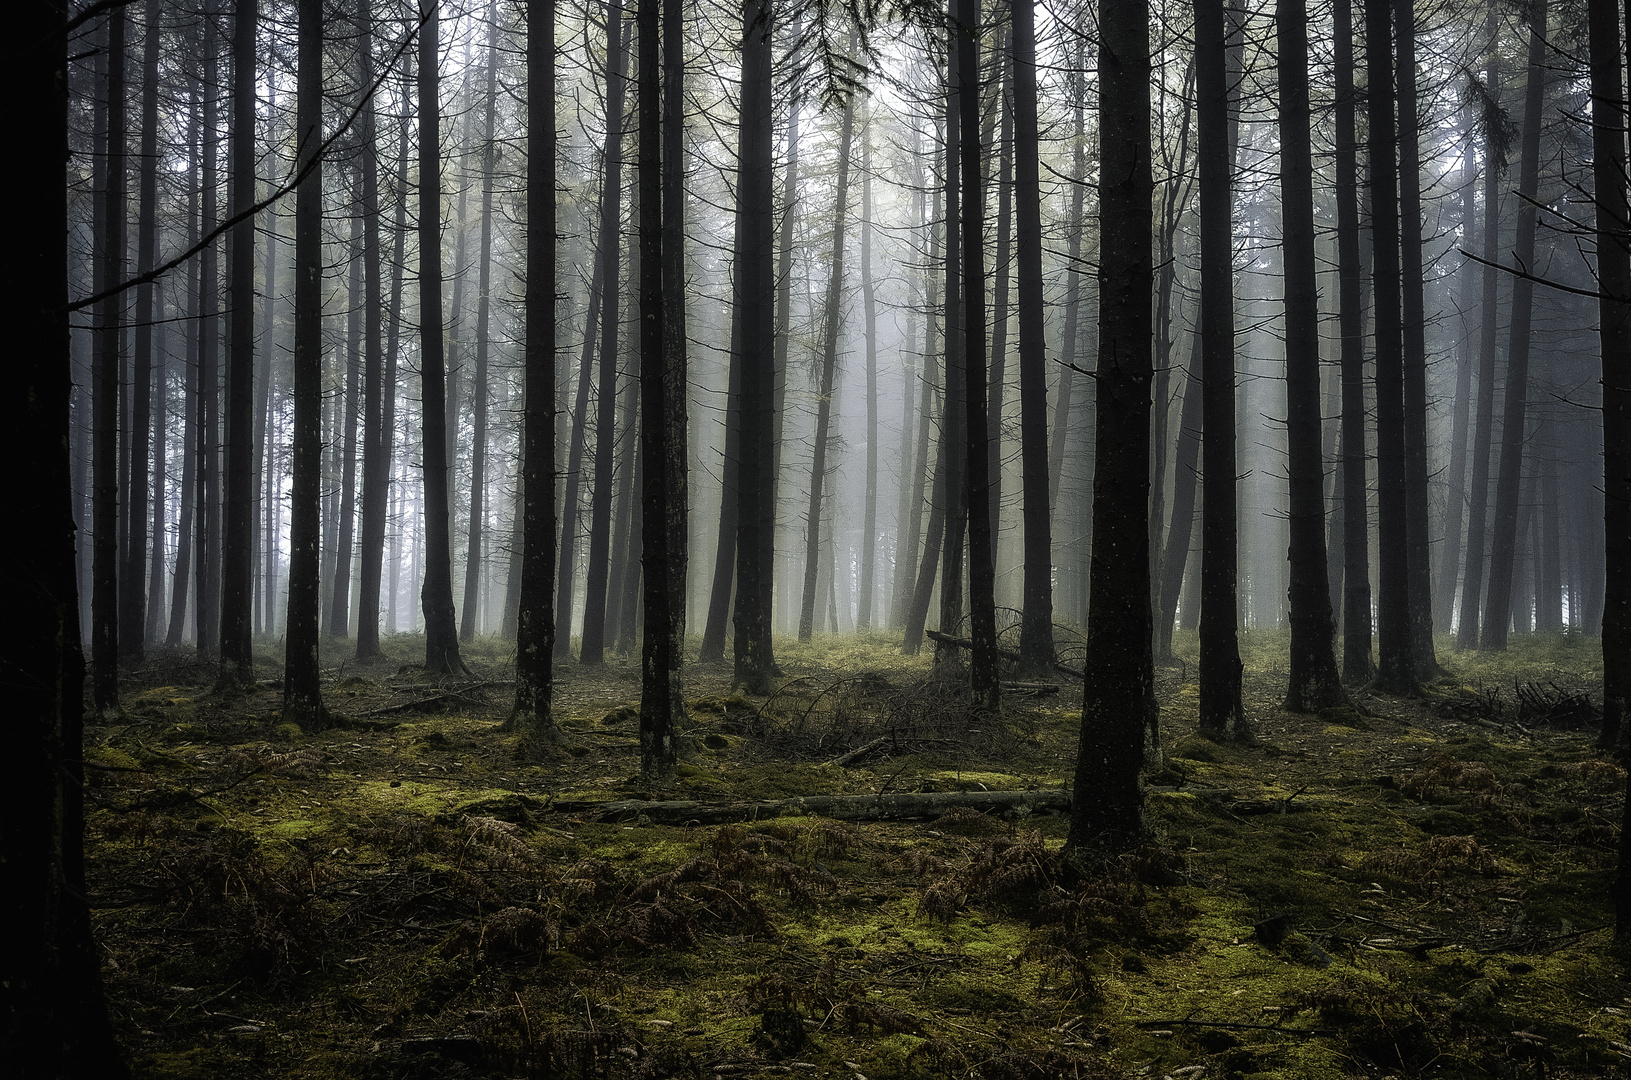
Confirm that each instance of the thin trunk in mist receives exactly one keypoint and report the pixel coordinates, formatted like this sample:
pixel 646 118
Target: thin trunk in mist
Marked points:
pixel 1181 529
pixel 1449 562
pixel 1614 319
pixel 869 330
pixel 133 565
pixel 831 317
pixel 1036 619
pixel 376 455
pixel 1221 713
pixel 724 575
pixel 1414 340
pixel 608 268
pixel 159 428
pixel 1118 701
pixel 1357 666
pixel 954 411
pixel 532 716
pixel 436 592
pixel 1494 124
pixel 1515 405
pixel 109 241
pixel 339 616
pixel 996 380
pixel 471 614
pixel 1313 682
pixel 906 558
pixel 1396 668
pixel 302 693
pixel 1073 294
pixel 181 577
pixel 981 561
pixel 207 550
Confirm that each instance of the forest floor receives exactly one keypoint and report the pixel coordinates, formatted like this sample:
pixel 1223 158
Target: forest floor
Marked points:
pixel 1402 888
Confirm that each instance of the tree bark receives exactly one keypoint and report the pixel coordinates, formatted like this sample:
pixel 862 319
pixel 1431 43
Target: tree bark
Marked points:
pixel 869 331
pixel 1222 716
pixel 533 716
pixel 1515 404
pixel 376 440
pixel 302 694
pixel 1314 682
pixel 436 592
pixel 1118 705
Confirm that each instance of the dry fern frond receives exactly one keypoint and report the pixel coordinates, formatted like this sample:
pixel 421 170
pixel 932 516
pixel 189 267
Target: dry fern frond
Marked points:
pixel 1438 856
pixel 940 902
pixel 914 863
pixel 497 844
pixel 1600 775
pixel 965 821
pixel 1444 771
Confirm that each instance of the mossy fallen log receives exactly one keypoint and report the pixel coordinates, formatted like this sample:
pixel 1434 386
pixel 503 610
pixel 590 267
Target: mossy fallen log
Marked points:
pixel 899 807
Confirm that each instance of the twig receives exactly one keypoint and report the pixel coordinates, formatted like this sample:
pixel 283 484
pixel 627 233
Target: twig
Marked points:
pixel 859 752
pixel 1235 1027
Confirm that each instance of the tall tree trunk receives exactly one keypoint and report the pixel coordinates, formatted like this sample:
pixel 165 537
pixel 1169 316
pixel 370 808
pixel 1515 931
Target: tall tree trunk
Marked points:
pixel 207 553
pixel 1118 701
pixel 159 430
pixel 976 453
pixel 1181 529
pixel 1614 319
pixel 1455 501
pixel 471 614
pixel 869 331
pixel 676 368
pixel 1515 405
pixel 609 251
pixel 1494 124
pixel 349 403
pixel 910 613
pixel 238 518
pixel 1313 682
pixel 832 315
pixel 1221 713
pixel 1357 666
pixel 533 717
pixel 56 1018
pixel 996 379
pixel 1414 326
pixel 110 241
pixel 436 592
pixel 181 578
pixel 133 566
pixel 954 415
pixel 302 695
pixel 1396 668
pixel 1036 651
pixel 376 454
pixel 661 701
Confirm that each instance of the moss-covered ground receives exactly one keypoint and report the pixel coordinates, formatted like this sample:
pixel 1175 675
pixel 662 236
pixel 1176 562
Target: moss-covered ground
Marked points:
pixel 1400 888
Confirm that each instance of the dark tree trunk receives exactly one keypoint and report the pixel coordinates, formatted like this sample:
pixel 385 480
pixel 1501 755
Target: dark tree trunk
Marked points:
pixel 1396 669
pixel 533 717
pixel 1357 666
pixel 1222 715
pixel 1455 501
pixel 676 377
pixel 954 412
pixel 831 317
pixel 1614 317
pixel 56 1020
pixel 1515 405
pixel 133 566
pixel 1494 124
pixel 724 575
pixel 181 578
pixel 1414 338
pixel 1036 618
pixel 238 504
pixel 981 561
pixel 110 251
pixel 1118 705
pixel 159 430
pixel 1313 682
pixel 661 702
pixel 918 577
pixel 345 423
pixel 609 250
pixel 376 454
pixel 436 592
pixel 302 695
pixel 207 506
pixel 471 614
pixel 1181 529
pixel 996 378
pixel 914 426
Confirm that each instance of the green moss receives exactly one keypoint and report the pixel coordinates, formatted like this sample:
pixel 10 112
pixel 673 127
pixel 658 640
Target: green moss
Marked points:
pixel 197 1063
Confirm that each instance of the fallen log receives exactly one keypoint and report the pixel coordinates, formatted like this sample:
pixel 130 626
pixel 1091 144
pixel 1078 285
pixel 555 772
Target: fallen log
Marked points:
pixel 1007 654
pixel 898 807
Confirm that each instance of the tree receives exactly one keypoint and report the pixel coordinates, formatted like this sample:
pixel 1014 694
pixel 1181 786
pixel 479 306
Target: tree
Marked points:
pixel 1036 618
pixel 1515 404
pixel 302 694
pixel 1357 665
pixel 238 531
pixel 1396 668
pixel 831 317
pixel 1118 702
pixel 662 703
pixel 436 592
pixel 1222 715
pixel 1313 682
pixel 753 309
pixel 533 717
pixel 376 437
pixel 54 1017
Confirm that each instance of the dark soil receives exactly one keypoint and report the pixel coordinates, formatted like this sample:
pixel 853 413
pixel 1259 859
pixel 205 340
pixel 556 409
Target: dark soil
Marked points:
pixel 1399 888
